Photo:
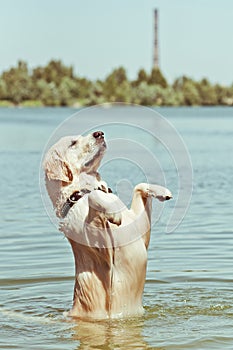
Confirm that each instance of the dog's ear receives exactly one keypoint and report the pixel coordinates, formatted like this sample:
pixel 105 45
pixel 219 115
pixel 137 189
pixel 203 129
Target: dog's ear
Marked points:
pixel 56 168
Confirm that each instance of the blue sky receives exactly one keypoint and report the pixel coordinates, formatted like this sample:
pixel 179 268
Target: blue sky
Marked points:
pixel 95 36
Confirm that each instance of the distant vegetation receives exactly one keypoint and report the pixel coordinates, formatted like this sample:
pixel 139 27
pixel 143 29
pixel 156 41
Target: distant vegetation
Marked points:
pixel 57 85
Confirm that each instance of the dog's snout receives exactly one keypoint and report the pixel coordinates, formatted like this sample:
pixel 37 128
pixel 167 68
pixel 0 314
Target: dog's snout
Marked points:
pixel 98 134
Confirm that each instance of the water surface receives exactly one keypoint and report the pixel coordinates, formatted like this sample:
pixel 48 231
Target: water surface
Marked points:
pixel 188 292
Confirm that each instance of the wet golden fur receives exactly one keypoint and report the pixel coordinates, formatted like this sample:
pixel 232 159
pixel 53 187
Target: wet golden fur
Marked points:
pixel 108 240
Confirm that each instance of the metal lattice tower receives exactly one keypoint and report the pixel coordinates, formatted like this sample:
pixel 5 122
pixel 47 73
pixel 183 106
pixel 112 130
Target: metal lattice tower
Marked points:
pixel 156 44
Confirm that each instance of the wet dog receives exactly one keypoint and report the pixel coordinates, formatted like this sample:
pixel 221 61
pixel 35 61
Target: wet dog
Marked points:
pixel 109 241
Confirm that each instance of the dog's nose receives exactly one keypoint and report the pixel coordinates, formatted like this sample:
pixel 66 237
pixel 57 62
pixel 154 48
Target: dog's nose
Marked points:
pixel 98 134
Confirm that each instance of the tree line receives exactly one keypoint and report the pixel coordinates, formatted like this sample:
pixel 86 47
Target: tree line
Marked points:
pixel 56 85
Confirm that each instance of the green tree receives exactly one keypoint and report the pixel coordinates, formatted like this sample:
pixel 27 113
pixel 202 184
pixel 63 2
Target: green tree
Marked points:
pixel 157 78
pixel 179 82
pixel 190 94
pixel 147 95
pixel 113 83
pixel 82 88
pixel 224 95
pixel 17 83
pixel 142 77
pixel 123 92
pixel 95 95
pixel 228 99
pixel 170 97
pixel 55 85
pixel 188 88
pixel 66 89
pixel 49 93
pixel 207 93
pixel 3 89
pixel 54 72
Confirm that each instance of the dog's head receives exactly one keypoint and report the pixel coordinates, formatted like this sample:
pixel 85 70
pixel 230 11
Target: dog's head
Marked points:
pixel 72 155
pixel 67 159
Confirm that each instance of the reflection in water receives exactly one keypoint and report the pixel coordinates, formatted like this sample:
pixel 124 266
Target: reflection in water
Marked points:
pixel 111 334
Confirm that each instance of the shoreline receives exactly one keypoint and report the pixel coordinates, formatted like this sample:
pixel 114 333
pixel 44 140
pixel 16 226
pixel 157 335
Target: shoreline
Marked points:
pixel 29 104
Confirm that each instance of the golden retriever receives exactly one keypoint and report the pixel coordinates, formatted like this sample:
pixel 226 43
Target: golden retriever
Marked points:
pixel 109 241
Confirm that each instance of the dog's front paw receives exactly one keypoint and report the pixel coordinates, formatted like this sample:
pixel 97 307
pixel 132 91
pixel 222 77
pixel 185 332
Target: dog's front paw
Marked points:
pixel 164 198
pixel 159 192
pixel 156 191
pixel 114 218
pixel 106 205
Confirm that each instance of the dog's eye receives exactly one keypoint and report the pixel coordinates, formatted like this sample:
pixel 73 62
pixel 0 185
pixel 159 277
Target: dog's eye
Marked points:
pixel 73 143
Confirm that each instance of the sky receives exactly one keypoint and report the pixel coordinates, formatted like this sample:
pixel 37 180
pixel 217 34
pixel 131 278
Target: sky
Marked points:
pixel 95 36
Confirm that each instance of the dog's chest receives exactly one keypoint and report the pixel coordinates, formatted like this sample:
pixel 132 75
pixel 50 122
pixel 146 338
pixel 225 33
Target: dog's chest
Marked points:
pixel 130 265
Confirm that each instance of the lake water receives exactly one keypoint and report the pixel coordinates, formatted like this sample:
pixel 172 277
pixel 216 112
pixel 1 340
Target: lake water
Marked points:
pixel 188 296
